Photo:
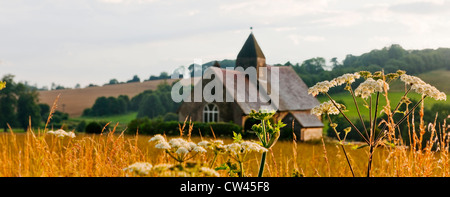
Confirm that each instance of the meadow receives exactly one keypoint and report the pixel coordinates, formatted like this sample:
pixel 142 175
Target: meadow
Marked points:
pixel 40 154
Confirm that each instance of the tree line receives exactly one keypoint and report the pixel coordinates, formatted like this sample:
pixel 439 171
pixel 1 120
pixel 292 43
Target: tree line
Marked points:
pixel 390 59
pixel 20 107
pixel 150 103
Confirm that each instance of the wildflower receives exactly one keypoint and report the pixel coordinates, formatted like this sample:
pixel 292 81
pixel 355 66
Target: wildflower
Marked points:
pixel 178 148
pixel 348 78
pixel 157 138
pixel 2 85
pixel 327 108
pixel 429 90
pixel 182 150
pixel 411 80
pixel 321 87
pixel 163 145
pixel 214 145
pixel 61 133
pixel 244 147
pixel 142 168
pixel 366 88
pixel 423 88
pixel 209 172
pixel 252 147
pixel 199 149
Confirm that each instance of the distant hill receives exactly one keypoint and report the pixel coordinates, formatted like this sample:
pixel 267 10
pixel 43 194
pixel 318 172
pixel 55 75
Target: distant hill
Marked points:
pixel 74 101
pixel 438 78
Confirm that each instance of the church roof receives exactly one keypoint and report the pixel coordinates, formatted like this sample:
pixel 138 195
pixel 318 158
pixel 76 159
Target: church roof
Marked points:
pixel 293 92
pixel 251 49
pixel 307 119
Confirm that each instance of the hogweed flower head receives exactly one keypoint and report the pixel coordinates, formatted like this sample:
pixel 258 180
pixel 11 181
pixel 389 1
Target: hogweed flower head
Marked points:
pixel 421 87
pixel 348 78
pixel 321 87
pixel 140 168
pixel 368 87
pixel 62 134
pixel 241 149
pixel 178 146
pixel 215 145
pixel 327 108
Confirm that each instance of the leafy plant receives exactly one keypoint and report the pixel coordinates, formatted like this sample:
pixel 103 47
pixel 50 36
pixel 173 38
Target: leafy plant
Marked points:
pixel 267 133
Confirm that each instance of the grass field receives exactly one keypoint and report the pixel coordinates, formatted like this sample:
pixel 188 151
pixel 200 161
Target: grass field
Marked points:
pixel 44 155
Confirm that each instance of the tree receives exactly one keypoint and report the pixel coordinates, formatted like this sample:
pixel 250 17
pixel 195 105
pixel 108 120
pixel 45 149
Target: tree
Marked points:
pixel 8 103
pixel 113 81
pixel 150 106
pixel 28 112
pixel 135 79
pixel 313 65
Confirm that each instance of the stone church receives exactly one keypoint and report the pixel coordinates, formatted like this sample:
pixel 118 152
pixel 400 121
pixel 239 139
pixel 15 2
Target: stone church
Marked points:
pixel 293 101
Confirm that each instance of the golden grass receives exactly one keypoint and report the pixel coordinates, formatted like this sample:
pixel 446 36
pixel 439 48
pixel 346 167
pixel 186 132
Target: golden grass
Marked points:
pixel 37 154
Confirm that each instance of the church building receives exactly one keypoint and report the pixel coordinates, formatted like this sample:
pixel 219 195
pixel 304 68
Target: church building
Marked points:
pixel 293 103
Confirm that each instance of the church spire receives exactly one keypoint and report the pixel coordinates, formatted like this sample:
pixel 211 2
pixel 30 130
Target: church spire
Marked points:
pixel 251 54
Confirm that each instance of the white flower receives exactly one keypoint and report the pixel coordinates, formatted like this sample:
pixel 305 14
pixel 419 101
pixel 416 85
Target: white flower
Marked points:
pixel 423 88
pixel 163 145
pixel 139 168
pixel 244 147
pixel 209 172
pixel 71 134
pixel 252 146
pixel 348 78
pixel 182 150
pixel 177 142
pixel 199 149
pixel 320 87
pixel 204 143
pixel 61 133
pixel 326 108
pixel 411 80
pixel 366 88
pixel 157 138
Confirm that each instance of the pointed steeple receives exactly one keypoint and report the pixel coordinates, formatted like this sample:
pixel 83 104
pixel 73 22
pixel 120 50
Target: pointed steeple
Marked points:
pixel 251 54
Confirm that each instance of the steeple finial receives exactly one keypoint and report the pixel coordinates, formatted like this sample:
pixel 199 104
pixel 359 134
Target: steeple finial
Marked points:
pixel 251 29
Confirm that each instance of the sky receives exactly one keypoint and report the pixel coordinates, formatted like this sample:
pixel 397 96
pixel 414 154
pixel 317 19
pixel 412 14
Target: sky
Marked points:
pixel 69 42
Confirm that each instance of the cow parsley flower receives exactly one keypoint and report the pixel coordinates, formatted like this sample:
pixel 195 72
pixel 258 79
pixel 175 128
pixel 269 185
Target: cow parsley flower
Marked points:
pixel 157 138
pixel 327 108
pixel 366 88
pixel 348 78
pixel 163 145
pixel 62 134
pixel 419 86
pixel 178 148
pixel 320 87
pixel 244 147
pixel 140 168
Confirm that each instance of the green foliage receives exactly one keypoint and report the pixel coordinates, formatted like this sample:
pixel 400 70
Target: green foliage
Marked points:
pixel 104 106
pixel 159 126
pixel 18 103
pixel 96 127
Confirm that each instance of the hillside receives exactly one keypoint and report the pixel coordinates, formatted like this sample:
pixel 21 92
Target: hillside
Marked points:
pixel 74 101
pixel 438 78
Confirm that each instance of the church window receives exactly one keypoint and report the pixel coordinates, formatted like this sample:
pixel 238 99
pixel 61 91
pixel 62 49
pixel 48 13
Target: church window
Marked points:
pixel 210 113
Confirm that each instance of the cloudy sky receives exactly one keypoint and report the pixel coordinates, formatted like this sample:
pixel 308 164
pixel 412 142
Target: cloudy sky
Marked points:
pixel 92 41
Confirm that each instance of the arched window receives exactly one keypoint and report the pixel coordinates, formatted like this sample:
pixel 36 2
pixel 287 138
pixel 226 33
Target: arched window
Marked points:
pixel 210 113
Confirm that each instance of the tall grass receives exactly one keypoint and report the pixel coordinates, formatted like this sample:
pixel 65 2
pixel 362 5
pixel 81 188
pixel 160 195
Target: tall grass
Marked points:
pixel 37 154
